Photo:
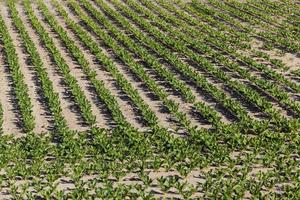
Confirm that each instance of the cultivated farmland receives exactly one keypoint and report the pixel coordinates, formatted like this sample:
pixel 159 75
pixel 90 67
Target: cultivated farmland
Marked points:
pixel 139 99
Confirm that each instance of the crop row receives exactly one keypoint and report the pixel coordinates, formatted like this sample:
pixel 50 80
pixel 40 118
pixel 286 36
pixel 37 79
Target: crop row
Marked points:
pixel 206 111
pixel 99 86
pixel 197 43
pixel 291 46
pixel 268 86
pixel 46 84
pixel 159 134
pixel 221 127
pixel 244 158
pixel 198 8
pixel 21 88
pixel 135 67
pixel 177 45
pixel 183 68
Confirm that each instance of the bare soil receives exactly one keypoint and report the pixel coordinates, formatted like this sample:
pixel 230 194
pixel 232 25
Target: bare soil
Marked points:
pixel 104 119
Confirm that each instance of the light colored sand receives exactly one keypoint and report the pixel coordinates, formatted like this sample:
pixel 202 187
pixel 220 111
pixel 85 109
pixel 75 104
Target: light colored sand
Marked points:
pixel 39 112
pixel 10 118
pixel 65 100
pixel 104 76
pixel 143 92
pixel 65 183
pixel 210 79
pixel 290 60
pixel 76 70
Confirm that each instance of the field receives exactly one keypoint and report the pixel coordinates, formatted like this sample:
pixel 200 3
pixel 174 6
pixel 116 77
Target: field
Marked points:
pixel 139 99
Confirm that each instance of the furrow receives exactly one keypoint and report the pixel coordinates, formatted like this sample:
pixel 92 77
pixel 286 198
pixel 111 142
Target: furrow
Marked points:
pixel 67 103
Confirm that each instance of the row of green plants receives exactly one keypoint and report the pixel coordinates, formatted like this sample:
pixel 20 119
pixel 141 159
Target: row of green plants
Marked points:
pixel 219 43
pixel 230 19
pixel 287 10
pixel 273 39
pixel 94 163
pixel 227 35
pixel 182 67
pixel 280 8
pixel 195 136
pixel 200 136
pixel 53 101
pixel 126 86
pixel 250 94
pixel 136 68
pixel 209 113
pixel 217 55
pixel 68 42
pixel 213 118
pixel 223 130
pixel 20 87
pixel 288 124
pixel 142 53
pixel 285 30
pixel 206 16
pixel 81 100
pixel 231 24
pixel 212 113
pixel 199 7
pixel 108 157
pixel 159 136
pixel 103 93
pixel 158 133
pixel 226 48
pixel 257 126
pixel 283 97
pixel 126 128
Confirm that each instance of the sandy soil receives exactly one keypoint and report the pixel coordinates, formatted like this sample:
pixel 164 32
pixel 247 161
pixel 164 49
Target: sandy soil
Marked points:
pixel 145 94
pixel 39 111
pixel 254 112
pixel 104 120
pixel 103 75
pixel 66 102
pixel 76 71
pixel 292 61
pixel 7 99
